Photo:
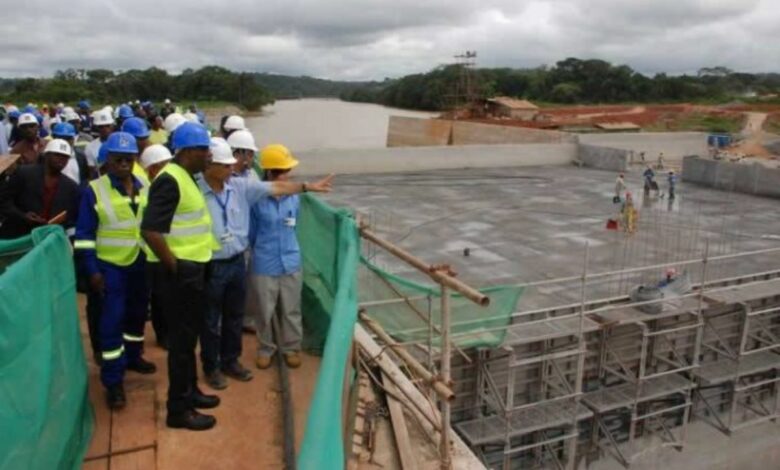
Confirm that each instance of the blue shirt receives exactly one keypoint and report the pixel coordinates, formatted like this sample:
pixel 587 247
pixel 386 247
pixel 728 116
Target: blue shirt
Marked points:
pixel 87 223
pixel 230 211
pixel 275 250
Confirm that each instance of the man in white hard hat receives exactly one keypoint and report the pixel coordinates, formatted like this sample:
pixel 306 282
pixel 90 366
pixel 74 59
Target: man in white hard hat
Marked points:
pixel 166 109
pixel 154 158
pixel 243 146
pixel 30 144
pixel 103 123
pixel 229 201
pixel 39 194
pixel 231 124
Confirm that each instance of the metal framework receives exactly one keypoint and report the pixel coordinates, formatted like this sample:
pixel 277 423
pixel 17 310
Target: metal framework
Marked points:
pixel 739 376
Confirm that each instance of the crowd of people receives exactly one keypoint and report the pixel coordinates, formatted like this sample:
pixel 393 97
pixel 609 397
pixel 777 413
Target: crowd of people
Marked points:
pixel 170 223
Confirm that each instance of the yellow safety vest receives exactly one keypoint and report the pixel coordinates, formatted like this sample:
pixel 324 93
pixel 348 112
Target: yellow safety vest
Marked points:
pixel 140 173
pixel 190 237
pixel 119 229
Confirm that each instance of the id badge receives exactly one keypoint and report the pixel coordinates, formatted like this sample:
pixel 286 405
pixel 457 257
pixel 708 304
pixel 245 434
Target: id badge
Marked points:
pixel 289 221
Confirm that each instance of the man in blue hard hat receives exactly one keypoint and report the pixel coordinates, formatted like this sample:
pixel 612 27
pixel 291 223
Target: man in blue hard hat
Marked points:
pixel 137 127
pixel 83 112
pixel 177 228
pixel 108 243
pixel 123 113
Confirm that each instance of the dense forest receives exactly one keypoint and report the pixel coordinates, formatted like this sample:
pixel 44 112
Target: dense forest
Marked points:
pixel 570 81
pixel 248 90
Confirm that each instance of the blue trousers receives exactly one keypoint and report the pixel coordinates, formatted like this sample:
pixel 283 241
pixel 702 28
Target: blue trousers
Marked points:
pixel 121 331
pixel 220 339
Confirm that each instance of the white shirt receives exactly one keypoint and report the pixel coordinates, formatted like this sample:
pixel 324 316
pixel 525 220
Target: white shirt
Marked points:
pixel 91 152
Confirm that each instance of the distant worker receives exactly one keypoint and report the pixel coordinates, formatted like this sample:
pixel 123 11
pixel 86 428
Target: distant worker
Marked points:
pixel 231 124
pixel 108 243
pixel 166 109
pixel 158 134
pixel 36 194
pixel 103 124
pixel 137 127
pixel 276 261
pixel 30 145
pixel 629 214
pixel 84 114
pixel 650 184
pixel 672 179
pixel 660 165
pixel 177 228
pixel 124 112
pixel 242 143
pixel 229 201
pixel 620 187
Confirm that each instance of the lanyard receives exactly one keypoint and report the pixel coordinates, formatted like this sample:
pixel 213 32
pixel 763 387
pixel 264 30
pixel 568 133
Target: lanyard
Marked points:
pixel 223 206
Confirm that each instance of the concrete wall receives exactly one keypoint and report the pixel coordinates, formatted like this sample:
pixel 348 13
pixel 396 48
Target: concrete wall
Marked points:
pixel 603 158
pixel 391 160
pixel 414 132
pixel 752 179
pixel 474 133
pixel 674 145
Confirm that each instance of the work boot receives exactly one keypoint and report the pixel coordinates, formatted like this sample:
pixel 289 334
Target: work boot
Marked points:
pixel 142 366
pixel 201 400
pixel 216 380
pixel 115 397
pixel 293 359
pixel 191 420
pixel 237 371
pixel 263 362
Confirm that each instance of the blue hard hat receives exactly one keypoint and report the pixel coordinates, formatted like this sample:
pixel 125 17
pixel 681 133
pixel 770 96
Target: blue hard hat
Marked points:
pixel 102 155
pixel 63 129
pixel 121 142
pixel 189 135
pixel 84 104
pixel 125 112
pixel 29 109
pixel 137 127
pixel 39 118
pixel 14 114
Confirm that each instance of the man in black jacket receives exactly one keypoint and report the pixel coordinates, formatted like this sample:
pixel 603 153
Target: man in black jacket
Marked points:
pixel 36 194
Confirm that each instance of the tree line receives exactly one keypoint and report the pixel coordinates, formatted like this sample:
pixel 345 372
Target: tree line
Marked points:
pixel 570 81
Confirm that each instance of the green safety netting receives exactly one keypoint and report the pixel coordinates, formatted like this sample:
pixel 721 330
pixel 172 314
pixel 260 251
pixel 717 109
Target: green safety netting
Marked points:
pixel 334 278
pixel 45 416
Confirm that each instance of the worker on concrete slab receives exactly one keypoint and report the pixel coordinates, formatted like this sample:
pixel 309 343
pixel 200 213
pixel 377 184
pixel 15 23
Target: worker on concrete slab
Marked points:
pixel 153 160
pixel 620 187
pixel 38 194
pixel 177 228
pixel 137 127
pixel 649 176
pixel 103 124
pixel 29 145
pixel 108 244
pixel 229 201
pixel 672 179
pixel 660 165
pixel 244 149
pixel 276 260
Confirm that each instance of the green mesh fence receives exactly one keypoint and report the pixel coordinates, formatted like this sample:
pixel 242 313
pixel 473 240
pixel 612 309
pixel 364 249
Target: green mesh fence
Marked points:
pixel 45 416
pixel 333 274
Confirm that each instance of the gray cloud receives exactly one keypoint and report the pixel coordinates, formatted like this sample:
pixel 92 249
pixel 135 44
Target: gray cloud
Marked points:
pixel 372 39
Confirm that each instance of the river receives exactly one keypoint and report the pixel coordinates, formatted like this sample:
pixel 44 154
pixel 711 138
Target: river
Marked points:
pixel 310 124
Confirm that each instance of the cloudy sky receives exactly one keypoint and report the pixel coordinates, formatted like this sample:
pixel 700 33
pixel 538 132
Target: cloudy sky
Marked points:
pixel 373 39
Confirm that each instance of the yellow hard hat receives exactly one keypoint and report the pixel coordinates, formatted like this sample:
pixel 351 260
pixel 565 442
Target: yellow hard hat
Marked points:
pixel 277 157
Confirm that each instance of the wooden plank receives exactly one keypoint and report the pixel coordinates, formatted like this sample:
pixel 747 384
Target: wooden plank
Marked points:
pixel 102 432
pixel 402 442
pixel 142 460
pixel 135 425
pixel 99 464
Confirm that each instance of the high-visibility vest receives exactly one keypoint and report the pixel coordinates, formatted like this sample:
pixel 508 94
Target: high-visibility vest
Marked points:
pixel 140 173
pixel 118 238
pixel 190 237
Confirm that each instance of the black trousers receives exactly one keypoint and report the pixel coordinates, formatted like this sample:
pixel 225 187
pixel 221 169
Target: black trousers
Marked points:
pixel 154 271
pixel 184 301
pixel 94 310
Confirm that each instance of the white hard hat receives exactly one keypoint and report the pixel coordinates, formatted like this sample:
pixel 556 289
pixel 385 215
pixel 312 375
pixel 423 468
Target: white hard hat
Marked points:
pixel 71 115
pixel 192 117
pixel 167 101
pixel 155 154
pixel 234 123
pixel 102 118
pixel 11 107
pixel 137 101
pixel 242 140
pixel 108 109
pixel 68 109
pixel 172 121
pixel 221 153
pixel 27 118
pixel 58 146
